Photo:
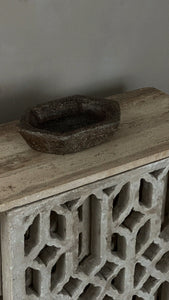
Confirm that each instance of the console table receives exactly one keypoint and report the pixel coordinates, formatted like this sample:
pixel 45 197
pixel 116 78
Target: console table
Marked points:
pixel 94 224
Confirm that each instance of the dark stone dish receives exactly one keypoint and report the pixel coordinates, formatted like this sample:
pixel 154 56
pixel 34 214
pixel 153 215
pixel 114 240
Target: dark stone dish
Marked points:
pixel 70 124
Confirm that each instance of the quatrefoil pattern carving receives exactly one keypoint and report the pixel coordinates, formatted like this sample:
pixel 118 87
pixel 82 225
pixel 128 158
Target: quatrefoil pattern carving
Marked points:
pixel 108 240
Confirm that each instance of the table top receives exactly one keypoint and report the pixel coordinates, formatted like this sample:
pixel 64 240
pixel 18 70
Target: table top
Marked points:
pixel 143 137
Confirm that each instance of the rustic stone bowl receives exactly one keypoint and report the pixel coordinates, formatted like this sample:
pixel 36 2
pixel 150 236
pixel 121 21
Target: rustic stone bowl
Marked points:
pixel 70 124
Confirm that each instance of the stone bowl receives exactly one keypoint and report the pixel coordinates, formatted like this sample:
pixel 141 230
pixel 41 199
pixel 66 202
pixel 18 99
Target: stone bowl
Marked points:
pixel 70 124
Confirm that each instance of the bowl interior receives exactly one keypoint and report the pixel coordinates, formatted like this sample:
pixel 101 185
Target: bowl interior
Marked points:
pixel 72 122
pixel 68 117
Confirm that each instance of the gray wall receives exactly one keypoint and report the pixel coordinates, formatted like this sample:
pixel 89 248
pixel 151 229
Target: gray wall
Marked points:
pixel 51 48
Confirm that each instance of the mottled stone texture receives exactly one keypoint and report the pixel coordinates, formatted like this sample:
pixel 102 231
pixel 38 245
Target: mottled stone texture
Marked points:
pixel 108 240
pixel 70 124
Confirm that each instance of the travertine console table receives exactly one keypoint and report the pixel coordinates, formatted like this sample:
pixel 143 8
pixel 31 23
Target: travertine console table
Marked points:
pixel 90 225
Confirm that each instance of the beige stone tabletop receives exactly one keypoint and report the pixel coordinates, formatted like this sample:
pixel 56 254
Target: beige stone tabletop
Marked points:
pixel 143 137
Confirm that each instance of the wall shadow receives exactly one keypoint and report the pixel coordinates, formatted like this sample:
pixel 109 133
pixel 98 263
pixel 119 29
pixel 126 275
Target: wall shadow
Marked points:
pixel 13 106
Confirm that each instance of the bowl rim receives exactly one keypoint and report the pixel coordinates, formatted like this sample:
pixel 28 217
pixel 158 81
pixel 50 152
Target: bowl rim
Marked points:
pixel 26 126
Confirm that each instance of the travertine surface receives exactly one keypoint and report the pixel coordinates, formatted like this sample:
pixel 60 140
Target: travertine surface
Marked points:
pixel 27 175
pixel 107 240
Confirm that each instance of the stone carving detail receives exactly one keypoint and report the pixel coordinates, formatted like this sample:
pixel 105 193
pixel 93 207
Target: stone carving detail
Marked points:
pixel 108 240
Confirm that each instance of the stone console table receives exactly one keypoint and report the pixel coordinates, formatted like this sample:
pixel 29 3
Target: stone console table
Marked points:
pixel 90 225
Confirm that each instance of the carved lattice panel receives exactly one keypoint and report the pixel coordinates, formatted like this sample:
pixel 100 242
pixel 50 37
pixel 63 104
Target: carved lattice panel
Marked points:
pixel 107 240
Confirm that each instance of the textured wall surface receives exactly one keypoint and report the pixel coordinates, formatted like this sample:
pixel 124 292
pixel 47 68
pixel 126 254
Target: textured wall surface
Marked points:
pixel 51 48
pixel 104 241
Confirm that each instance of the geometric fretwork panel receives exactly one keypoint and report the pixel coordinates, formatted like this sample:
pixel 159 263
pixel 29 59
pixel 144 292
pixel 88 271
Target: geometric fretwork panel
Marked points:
pixel 108 240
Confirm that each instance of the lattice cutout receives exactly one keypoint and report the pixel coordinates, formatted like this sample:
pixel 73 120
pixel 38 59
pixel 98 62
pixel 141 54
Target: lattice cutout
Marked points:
pixel 70 287
pixel 139 273
pixel 31 237
pixel 104 241
pixel 58 272
pixel 32 282
pixel 46 254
